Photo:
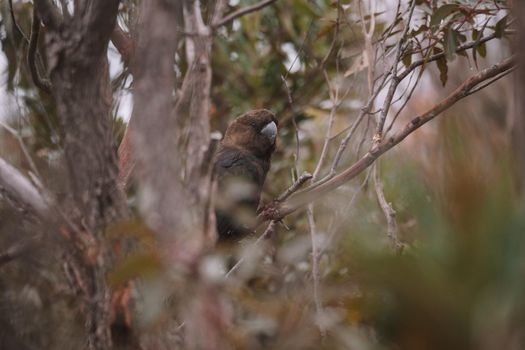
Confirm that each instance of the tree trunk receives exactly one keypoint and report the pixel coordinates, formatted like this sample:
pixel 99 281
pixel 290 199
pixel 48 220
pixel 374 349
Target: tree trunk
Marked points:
pixel 78 68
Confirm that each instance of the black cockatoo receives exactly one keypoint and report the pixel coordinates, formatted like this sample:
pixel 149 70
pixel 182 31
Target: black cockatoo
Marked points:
pixel 241 164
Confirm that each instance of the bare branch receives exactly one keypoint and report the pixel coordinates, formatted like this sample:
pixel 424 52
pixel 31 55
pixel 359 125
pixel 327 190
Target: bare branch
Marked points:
pixel 271 227
pixel 18 186
pixel 242 12
pixel 295 186
pixel 124 43
pixel 294 122
pixel 344 143
pixel 32 52
pixel 395 79
pixel 218 11
pixel 343 212
pixel 311 194
pixel 331 119
pixel 315 267
pixel 405 102
pixel 437 56
pixel 387 209
pixel 368 34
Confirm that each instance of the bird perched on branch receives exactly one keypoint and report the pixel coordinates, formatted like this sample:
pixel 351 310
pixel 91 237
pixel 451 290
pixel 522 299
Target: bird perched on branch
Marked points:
pixel 241 164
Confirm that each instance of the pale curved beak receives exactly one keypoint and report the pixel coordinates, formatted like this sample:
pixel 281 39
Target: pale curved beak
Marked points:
pixel 270 131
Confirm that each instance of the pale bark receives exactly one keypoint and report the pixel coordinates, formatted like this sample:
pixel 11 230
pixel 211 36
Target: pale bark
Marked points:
pixel 155 134
pixel 16 185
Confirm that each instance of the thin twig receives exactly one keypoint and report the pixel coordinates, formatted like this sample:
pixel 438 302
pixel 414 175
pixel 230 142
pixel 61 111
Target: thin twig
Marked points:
pixel 405 102
pixel 368 34
pixel 334 229
pixel 438 56
pixel 269 230
pixel 241 12
pixel 336 34
pixel 294 122
pixel 218 11
pixel 271 227
pixel 390 213
pixel 334 97
pixel 364 111
pixel 32 52
pixel 335 104
pixel 481 87
pixel 295 186
pixel 395 79
pixel 315 192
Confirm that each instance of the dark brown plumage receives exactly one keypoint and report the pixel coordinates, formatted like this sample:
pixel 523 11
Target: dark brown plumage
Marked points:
pixel 241 164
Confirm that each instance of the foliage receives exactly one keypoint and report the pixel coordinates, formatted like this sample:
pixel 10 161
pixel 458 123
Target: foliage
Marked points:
pixel 457 283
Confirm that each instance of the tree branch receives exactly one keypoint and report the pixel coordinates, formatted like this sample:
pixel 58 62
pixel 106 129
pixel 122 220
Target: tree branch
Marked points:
pixel 395 79
pixel 295 186
pixel 124 43
pixel 388 211
pixel 15 23
pixel 99 23
pixel 436 57
pixel 311 194
pixel 242 12
pixel 22 190
pixel 32 52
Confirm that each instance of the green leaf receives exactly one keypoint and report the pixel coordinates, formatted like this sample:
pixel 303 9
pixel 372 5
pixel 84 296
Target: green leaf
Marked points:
pixel 475 34
pixel 450 43
pixel 442 12
pixel 407 59
pixel 499 28
pixel 442 66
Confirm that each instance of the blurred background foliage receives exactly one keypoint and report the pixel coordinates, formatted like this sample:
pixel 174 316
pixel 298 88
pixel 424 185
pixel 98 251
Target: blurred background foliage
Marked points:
pixel 459 282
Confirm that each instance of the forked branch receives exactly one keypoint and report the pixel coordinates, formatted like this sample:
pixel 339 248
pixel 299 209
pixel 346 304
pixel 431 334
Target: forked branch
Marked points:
pixel 313 193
